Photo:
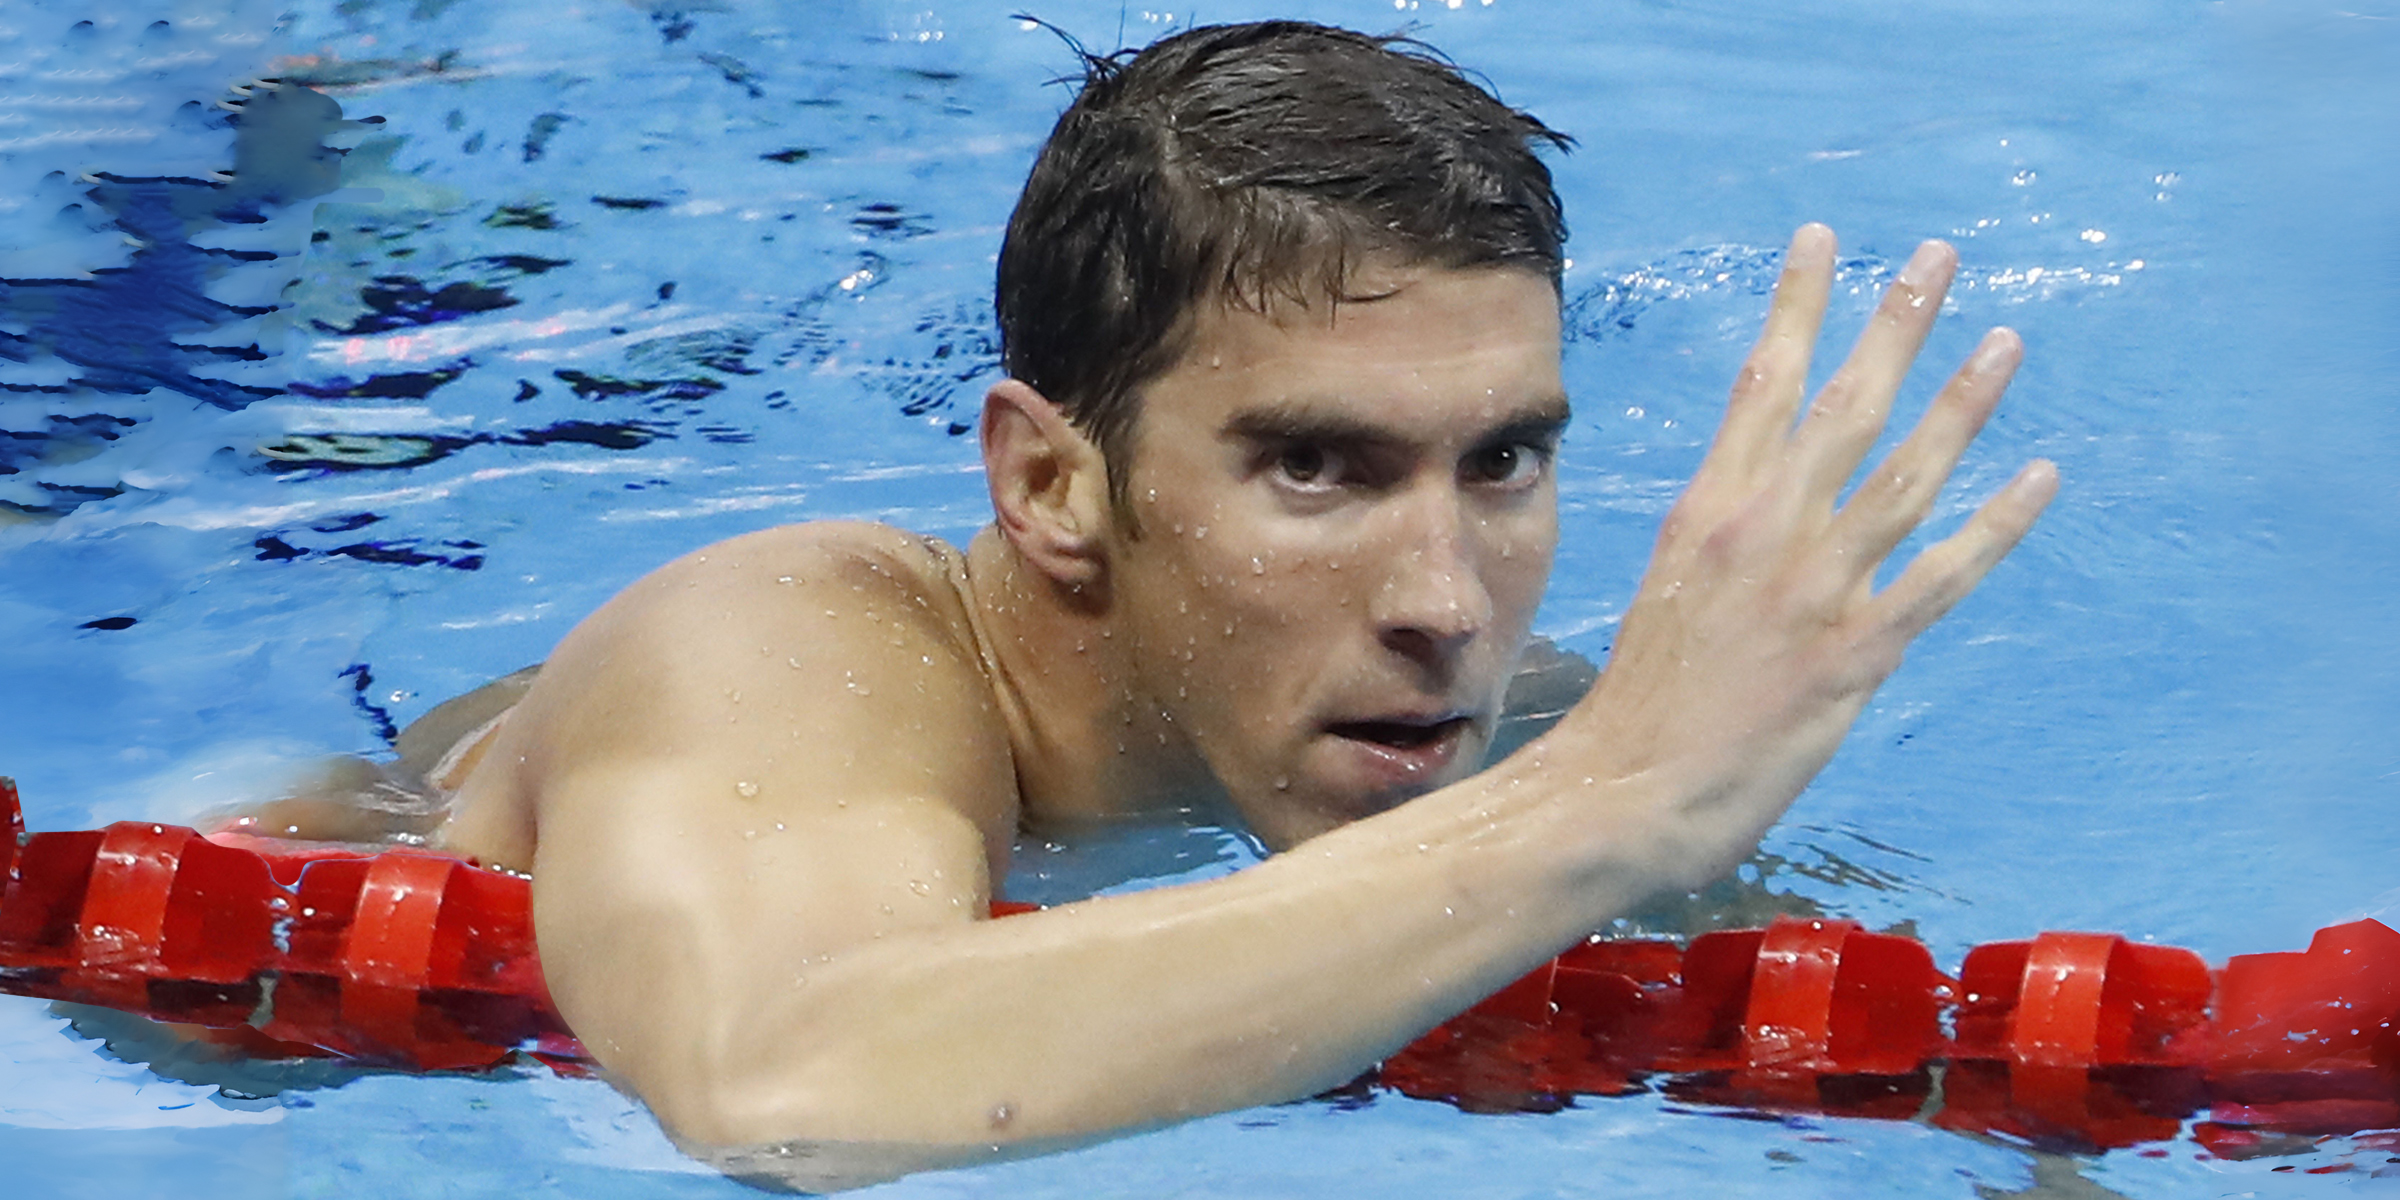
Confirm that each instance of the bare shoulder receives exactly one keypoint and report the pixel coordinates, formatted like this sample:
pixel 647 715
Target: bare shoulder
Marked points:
pixel 844 564
pixel 834 659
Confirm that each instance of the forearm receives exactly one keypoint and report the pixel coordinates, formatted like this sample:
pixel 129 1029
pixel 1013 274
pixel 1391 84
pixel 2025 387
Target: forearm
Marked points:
pixel 1132 1011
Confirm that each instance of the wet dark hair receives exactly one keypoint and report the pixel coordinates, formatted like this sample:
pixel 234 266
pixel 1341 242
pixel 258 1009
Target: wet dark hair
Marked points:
pixel 1245 164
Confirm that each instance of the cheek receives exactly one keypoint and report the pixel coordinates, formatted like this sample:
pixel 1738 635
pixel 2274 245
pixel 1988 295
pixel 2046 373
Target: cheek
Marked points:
pixel 1518 553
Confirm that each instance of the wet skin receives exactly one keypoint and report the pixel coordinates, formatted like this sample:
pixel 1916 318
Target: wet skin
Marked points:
pixel 1346 518
pixel 767 791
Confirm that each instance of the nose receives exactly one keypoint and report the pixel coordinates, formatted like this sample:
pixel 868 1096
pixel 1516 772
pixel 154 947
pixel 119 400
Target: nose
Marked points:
pixel 1432 602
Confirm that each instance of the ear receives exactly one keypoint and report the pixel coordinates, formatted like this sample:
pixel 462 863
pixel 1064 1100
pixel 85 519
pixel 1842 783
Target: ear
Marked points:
pixel 1049 484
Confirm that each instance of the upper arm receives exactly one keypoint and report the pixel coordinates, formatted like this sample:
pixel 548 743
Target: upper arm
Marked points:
pixel 756 758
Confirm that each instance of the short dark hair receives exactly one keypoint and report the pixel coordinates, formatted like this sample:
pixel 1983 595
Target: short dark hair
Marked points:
pixel 1241 164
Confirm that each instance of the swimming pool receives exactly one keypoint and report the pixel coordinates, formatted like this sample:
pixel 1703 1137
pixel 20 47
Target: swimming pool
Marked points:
pixel 2170 714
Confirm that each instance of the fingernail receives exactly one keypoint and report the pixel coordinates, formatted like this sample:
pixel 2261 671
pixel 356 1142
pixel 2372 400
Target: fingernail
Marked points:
pixel 1996 348
pixel 1923 264
pixel 2038 475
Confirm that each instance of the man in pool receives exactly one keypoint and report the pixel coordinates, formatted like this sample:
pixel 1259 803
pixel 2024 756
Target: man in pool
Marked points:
pixel 1274 505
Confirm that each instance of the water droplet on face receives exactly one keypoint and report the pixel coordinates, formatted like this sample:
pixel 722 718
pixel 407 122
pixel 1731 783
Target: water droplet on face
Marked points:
pixel 919 887
pixel 1256 566
pixel 1282 784
pixel 746 790
pixel 784 579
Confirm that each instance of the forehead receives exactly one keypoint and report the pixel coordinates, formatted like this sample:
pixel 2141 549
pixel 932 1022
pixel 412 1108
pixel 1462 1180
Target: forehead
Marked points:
pixel 1406 342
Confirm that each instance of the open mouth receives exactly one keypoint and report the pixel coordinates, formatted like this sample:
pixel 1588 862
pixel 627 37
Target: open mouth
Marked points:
pixel 1401 735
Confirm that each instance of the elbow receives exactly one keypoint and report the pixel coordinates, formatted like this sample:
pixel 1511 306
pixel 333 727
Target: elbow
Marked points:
pixel 776 1139
pixel 710 1108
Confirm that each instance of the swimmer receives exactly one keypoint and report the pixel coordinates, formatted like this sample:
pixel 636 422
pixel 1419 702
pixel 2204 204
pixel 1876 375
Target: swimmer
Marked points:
pixel 1274 503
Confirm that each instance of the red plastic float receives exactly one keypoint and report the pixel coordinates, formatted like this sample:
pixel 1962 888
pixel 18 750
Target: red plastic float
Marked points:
pixel 414 960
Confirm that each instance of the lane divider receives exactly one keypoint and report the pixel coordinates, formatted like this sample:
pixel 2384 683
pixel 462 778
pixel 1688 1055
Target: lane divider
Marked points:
pixel 419 961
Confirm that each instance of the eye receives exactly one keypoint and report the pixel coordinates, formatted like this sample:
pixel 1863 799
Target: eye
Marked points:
pixel 1509 464
pixel 1308 466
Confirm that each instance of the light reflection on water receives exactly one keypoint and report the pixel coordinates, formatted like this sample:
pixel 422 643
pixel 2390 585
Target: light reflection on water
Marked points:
pixel 610 281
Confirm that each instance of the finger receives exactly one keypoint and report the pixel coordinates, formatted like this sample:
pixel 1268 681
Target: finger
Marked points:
pixel 1898 494
pixel 1949 569
pixel 1759 416
pixel 1850 412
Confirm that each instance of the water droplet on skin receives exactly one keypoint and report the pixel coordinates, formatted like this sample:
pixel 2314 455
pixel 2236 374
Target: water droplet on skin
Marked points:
pixel 919 887
pixel 786 580
pixel 887 909
pixel 1199 532
pixel 794 663
pixel 1257 567
pixel 1282 784
pixel 746 789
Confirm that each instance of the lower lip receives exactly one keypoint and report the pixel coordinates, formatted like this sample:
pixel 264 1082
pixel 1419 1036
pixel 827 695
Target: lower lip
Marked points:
pixel 1384 767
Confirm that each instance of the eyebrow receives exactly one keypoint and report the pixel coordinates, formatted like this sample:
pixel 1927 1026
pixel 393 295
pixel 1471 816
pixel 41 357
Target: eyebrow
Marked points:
pixel 1541 420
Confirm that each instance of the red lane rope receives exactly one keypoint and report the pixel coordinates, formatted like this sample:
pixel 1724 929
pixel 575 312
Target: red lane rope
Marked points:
pixel 421 961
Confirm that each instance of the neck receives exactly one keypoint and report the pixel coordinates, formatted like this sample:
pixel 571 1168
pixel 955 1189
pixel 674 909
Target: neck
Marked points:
pixel 1088 742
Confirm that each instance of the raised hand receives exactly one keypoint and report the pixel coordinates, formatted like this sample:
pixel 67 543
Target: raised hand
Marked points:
pixel 1757 635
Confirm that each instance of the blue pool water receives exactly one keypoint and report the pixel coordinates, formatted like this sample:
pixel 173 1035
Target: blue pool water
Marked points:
pixel 477 407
